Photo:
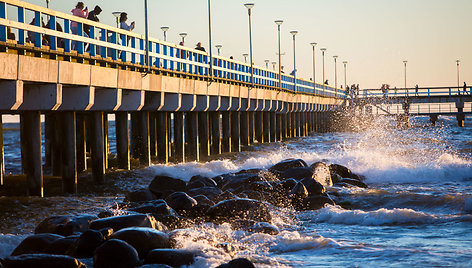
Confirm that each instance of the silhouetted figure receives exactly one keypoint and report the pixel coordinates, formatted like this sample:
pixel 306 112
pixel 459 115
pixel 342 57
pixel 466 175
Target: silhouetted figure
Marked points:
pixel 465 88
pixel 32 35
pixel 10 34
pixel 416 90
pixel 326 82
pixel 199 47
pixel 59 41
pixel 93 16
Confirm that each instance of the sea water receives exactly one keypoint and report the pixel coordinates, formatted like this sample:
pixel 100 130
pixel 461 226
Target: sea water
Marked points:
pixel 417 210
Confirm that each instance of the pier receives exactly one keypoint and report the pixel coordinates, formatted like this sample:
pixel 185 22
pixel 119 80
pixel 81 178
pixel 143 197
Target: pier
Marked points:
pixel 178 105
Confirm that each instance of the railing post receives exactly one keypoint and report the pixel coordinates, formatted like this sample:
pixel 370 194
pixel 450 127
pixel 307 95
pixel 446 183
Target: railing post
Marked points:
pixel 103 37
pixel 3 15
pixel 21 18
pixel 38 38
pixel 92 50
pixel 124 43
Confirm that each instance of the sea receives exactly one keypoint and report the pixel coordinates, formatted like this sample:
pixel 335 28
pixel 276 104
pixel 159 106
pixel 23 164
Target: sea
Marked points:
pixel 416 212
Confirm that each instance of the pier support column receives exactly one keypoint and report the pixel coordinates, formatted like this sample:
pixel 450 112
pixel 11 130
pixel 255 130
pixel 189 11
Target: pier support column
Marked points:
pixel 81 143
pixel 162 137
pixel 98 161
pixel 433 118
pixel 152 135
pixel 179 140
pixel 106 148
pixel 144 152
pixel 32 152
pixel 2 154
pixel 215 133
pixel 56 144
pixel 244 129
pixel 258 126
pixel 122 140
pixel 226 122
pixel 266 127
pixel 191 136
pixel 251 127
pixel 47 140
pixel 283 117
pixel 278 127
pixel 460 118
pixel 134 140
pixel 235 132
pixel 273 127
pixel 288 122
pixel 293 124
pixel 69 158
pixel 203 136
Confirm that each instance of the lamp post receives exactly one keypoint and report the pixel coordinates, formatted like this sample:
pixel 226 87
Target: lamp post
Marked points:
pixel 273 65
pixel 249 6
pixel 458 78
pixel 210 44
pixel 164 30
pixel 267 63
pixel 345 80
pixel 245 57
pixel 313 44
pixel 323 50
pixel 335 72
pixel 405 62
pixel 279 23
pixel 294 33
pixel 218 47
pixel 47 3
pixel 117 14
pixel 183 35
pixel 146 29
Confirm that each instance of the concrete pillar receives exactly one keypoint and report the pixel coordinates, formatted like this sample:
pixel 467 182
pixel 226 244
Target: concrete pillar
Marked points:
pixel 32 153
pixel 226 122
pixel 98 161
pixel 203 135
pixel 2 154
pixel 278 129
pixel 179 140
pixel 191 136
pixel 251 127
pixel 144 150
pixel 433 118
pixel 106 148
pixel 288 122
pixel 298 124
pixel 215 133
pixel 56 146
pixel 258 127
pixel 152 135
pixel 81 143
pixel 460 118
pixel 304 123
pixel 134 140
pixel 122 140
pixel 273 127
pixel 244 128
pixel 170 135
pixel 69 158
pixel 283 119
pixel 235 132
pixel 293 125
pixel 48 130
pixel 266 127
pixel 162 137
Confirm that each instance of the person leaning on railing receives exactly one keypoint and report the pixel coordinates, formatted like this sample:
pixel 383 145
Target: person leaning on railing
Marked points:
pixel 78 11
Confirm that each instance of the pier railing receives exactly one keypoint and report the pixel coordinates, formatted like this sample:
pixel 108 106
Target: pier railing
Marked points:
pixel 100 41
pixel 425 92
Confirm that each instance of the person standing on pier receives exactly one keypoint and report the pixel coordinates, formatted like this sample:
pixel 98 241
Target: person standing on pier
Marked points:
pixel 199 47
pixel 416 90
pixel 123 24
pixel 93 16
pixel 465 88
pixel 78 11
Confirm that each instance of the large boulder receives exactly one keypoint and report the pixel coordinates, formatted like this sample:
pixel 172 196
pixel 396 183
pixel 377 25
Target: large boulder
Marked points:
pixel 298 173
pixel 199 181
pixel 143 239
pixel 42 261
pixel 211 192
pixel 171 257
pixel 321 174
pixel 288 164
pixel 141 195
pixel 121 222
pixel 115 253
pixel 162 186
pixel 238 263
pixel 313 187
pixel 236 181
pixel 65 225
pixel 62 246
pixel 181 201
pixel 155 208
pixel 315 202
pixel 87 243
pixel 35 244
pixel 353 182
pixel 235 209
pixel 342 171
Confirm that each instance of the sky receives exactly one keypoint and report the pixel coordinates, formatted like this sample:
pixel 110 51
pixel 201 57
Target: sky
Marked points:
pixel 374 36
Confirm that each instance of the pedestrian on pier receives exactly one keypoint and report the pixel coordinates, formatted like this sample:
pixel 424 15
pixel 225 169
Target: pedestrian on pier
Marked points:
pixel 123 24
pixel 82 12
pixel 93 16
pixel 465 88
pixel 199 47
pixel 416 90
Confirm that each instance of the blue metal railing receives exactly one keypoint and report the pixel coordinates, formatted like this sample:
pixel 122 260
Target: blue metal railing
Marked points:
pixel 421 92
pixel 128 47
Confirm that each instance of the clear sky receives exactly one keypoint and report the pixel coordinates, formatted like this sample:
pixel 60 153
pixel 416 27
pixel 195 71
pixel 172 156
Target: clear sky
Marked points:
pixel 374 36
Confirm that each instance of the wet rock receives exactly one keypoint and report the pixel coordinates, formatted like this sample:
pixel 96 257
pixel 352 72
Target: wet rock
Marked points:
pixel 261 186
pixel 181 201
pixel 265 228
pixel 42 261
pixel 65 225
pixel 200 181
pixel 313 187
pixel 298 173
pixel 171 257
pixel 238 263
pixel 226 195
pixel 203 200
pixel 235 209
pixel 35 244
pixel 335 178
pixel 111 213
pixel 321 174
pixel 159 208
pixel 299 192
pixel 106 232
pixel 249 171
pixel 288 164
pixel 342 171
pixel 143 239
pixel 250 194
pixel 234 182
pixel 174 222
pixel 353 182
pixel 315 202
pixel 162 186
pixel 87 243
pixel 115 253
pixel 62 246
pixel 121 222
pixel 285 186
pixel 211 192
pixel 141 195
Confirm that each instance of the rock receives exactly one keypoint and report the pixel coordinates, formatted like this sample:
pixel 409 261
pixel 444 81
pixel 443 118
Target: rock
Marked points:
pixel 35 244
pixel 160 208
pixel 87 243
pixel 236 181
pixel 115 253
pixel 353 182
pixel 174 222
pixel 264 227
pixel 342 171
pixel 313 187
pixel 235 209
pixel 203 200
pixel 285 186
pixel 171 257
pixel 143 239
pixel 200 181
pixel 299 192
pixel 141 195
pixel 65 225
pixel 288 164
pixel 298 173
pixel 238 263
pixel 42 261
pixel 121 222
pixel 261 186
pixel 321 174
pixel 335 178
pixel 315 202
pixel 162 186
pixel 250 194
pixel 155 265
pixel 181 201
pixel 226 195
pixel 107 213
pixel 61 246
pixel 211 192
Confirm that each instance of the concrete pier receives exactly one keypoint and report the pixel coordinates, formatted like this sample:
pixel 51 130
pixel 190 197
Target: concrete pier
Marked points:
pixel 266 127
pixel 226 122
pixel 235 132
pixel 162 137
pixel 273 127
pixel 32 152
pixel 203 140
pixel 2 154
pixel 98 160
pixel 69 169
pixel 81 143
pixel 179 139
pixel 192 137
pixel 215 133
pixel 259 126
pixel 122 140
pixel 251 134
pixel 244 128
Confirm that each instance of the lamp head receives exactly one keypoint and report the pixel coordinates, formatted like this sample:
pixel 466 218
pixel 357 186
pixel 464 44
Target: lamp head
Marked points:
pixel 218 46
pixel 335 57
pixel 165 28
pixel 266 61
pixel 457 61
pixel 183 35
pixel 249 5
pixel 294 33
pixel 323 49
pixel 116 14
pixel 313 44
pixel 344 62
pixel 279 22
pixel 245 55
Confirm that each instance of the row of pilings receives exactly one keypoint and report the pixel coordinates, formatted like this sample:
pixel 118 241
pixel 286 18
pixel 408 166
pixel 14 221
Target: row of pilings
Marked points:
pixel 78 142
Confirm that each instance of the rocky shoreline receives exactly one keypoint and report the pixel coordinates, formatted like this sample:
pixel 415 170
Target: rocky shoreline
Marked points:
pixel 140 231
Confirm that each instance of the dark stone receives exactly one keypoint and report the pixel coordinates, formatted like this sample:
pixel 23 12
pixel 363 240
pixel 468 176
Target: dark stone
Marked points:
pixel 110 213
pixel 203 200
pixel 162 186
pixel 106 232
pixel 155 208
pixel 342 171
pixel 248 171
pixel 226 195
pixel 250 194
pixel 141 195
pixel 235 209
pixel 181 201
pixel 121 222
pixel 35 244
pixel 313 187
pixel 65 225
pixel 236 181
pixel 87 243
pixel 298 173
pixel 143 239
pixel 255 227
pixel 299 192
pixel 174 222
pixel 61 246
pixel 200 181
pixel 285 186
pixel 315 202
pixel 42 261
pixel 335 178
pixel 288 164
pixel 238 263
pixel 354 182
pixel 115 253
pixel 211 192
pixel 261 186
pixel 155 265
pixel 172 257
pixel 322 174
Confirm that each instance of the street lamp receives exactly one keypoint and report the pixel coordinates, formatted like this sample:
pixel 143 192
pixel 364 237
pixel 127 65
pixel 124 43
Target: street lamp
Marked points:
pixel 164 30
pixel 183 35
pixel 406 90
pixel 323 50
pixel 47 3
pixel 335 72
pixel 313 44
pixel 249 6
pixel 146 30
pixel 279 23
pixel 458 83
pixel 117 14
pixel 245 57
pixel 294 33
pixel 218 47
pixel 267 63
pixel 273 65
pixel 345 80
